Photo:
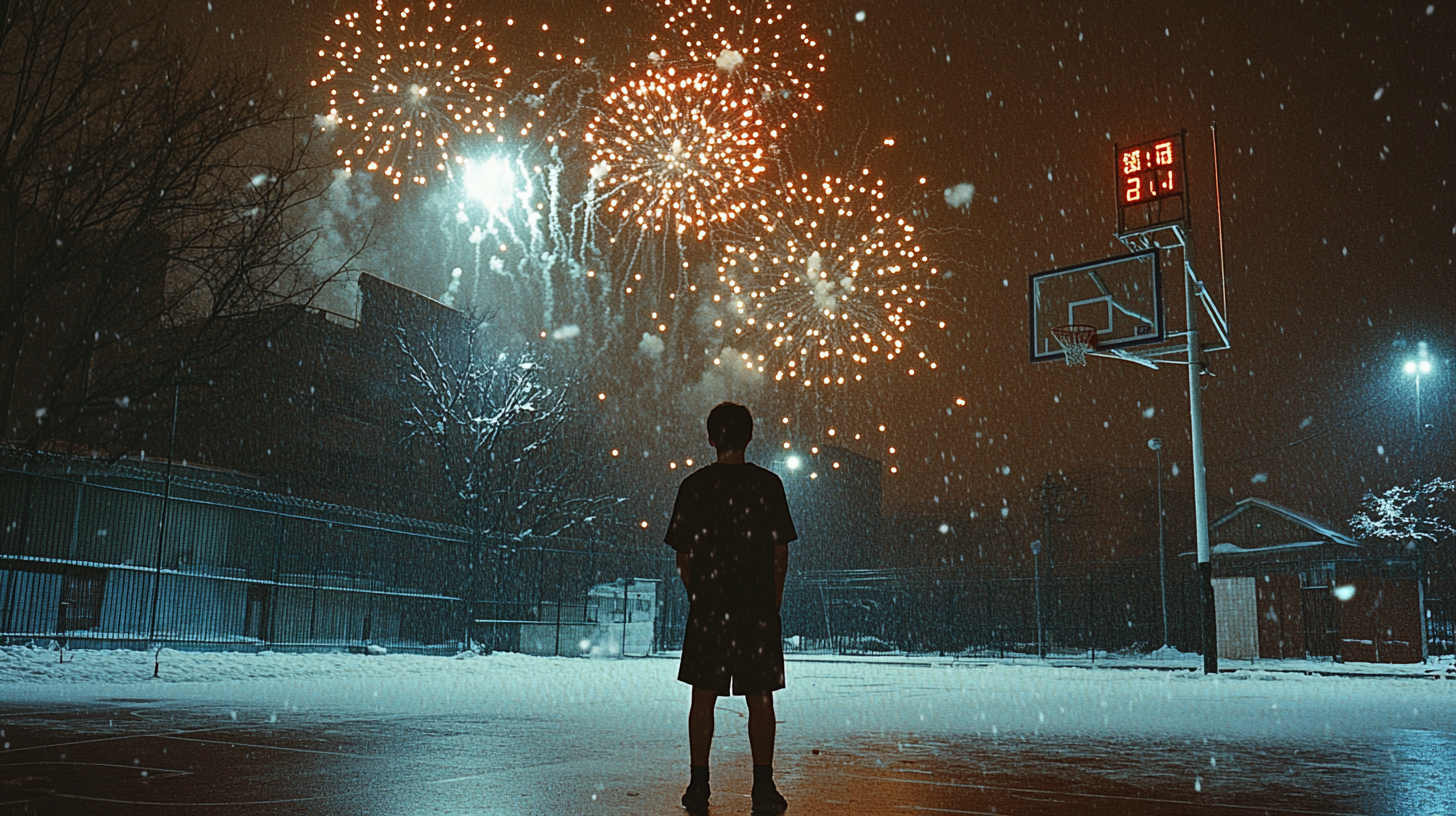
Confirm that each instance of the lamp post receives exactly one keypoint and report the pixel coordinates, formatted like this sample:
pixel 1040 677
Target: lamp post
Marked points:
pixel 1416 367
pixel 1156 445
pixel 1036 566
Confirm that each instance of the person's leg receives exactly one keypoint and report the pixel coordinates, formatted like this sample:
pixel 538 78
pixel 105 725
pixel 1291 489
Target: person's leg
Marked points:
pixel 700 743
pixel 700 725
pixel 761 727
pixel 761 731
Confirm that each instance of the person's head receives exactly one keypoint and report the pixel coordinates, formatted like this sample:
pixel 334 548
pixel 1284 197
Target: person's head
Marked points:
pixel 730 426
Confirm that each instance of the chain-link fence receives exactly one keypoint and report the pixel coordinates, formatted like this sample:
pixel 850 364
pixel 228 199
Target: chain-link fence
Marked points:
pixel 982 611
pixel 125 557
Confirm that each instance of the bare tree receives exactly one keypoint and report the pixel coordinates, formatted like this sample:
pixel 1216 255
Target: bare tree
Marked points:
pixel 507 433
pixel 153 214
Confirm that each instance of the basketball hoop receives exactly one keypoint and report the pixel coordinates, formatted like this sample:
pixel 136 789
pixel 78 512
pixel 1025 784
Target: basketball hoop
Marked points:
pixel 1076 340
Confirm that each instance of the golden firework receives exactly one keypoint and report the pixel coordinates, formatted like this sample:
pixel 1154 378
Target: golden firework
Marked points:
pixel 674 151
pixel 405 83
pixel 760 44
pixel 828 279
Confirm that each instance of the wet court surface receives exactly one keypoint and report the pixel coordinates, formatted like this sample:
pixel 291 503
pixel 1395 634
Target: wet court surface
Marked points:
pixel 134 756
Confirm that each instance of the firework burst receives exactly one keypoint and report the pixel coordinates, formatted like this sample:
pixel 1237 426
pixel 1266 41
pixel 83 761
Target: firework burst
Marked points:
pixel 828 280
pixel 404 85
pixel 673 152
pixel 774 57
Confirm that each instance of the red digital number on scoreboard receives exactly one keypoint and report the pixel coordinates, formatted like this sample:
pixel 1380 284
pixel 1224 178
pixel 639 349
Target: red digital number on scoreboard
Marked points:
pixel 1150 171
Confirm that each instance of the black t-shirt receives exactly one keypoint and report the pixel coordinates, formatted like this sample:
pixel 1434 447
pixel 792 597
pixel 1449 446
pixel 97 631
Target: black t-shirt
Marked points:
pixel 729 518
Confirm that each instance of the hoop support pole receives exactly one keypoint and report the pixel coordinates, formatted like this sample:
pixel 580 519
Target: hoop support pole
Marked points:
pixel 1191 290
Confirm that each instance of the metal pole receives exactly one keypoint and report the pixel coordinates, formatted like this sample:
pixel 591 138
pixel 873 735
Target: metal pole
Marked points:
pixel 1036 573
pixel 1040 638
pixel 1191 288
pixel 166 501
pixel 1420 433
pixel 1162 549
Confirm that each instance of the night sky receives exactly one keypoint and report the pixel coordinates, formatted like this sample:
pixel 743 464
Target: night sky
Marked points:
pixel 1336 156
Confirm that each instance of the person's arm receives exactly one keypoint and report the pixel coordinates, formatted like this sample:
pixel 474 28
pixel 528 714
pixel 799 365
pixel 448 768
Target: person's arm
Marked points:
pixel 781 569
pixel 685 569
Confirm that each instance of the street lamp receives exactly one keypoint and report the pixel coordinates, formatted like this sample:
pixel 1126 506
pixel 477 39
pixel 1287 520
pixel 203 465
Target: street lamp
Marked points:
pixel 1156 445
pixel 1417 367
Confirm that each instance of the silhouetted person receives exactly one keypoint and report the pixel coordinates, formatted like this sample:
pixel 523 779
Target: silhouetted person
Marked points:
pixel 731 529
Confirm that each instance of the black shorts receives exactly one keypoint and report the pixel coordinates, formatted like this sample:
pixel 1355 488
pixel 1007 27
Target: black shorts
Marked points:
pixel 742 657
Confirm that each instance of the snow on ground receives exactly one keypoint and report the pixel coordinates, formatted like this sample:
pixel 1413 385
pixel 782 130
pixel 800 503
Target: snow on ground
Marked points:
pixel 957 699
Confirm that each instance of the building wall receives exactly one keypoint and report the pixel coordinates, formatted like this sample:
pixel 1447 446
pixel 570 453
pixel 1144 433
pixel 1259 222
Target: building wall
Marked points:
pixel 318 410
pixel 1236 609
pixel 1280 611
pixel 1381 623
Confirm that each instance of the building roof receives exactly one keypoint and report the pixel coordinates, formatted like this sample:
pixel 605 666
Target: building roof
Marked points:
pixel 1321 528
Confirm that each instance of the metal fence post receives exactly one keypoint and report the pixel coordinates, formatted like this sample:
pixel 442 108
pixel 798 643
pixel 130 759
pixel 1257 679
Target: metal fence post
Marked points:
pixel 166 500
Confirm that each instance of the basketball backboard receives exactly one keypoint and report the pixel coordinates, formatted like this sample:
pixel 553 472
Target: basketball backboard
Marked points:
pixel 1121 297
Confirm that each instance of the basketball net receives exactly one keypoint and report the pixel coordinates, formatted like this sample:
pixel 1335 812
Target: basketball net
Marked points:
pixel 1076 340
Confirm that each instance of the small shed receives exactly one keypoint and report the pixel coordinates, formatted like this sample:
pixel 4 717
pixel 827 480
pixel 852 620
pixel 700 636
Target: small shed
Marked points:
pixel 1288 586
pixel 616 619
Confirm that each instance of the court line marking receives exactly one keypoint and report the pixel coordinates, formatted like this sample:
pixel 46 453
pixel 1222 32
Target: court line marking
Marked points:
pixel 148 735
pixel 1115 797
pixel 236 744
pixel 81 798
pixel 168 771
pixel 951 810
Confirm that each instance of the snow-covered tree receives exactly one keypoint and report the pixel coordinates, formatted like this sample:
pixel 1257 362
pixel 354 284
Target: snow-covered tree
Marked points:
pixel 507 435
pixel 1403 513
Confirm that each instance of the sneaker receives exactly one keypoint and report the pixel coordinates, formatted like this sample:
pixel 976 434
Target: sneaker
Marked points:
pixel 695 799
pixel 768 801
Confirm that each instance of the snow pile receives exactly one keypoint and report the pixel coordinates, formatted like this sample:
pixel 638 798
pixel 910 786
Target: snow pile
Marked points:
pixel 24 664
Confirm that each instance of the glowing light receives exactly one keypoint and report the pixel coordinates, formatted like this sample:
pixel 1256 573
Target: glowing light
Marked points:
pixel 793 463
pixel 643 524
pixel 404 85
pixel 491 183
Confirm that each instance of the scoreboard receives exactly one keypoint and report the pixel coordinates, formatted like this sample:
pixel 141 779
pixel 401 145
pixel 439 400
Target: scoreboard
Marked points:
pixel 1151 183
pixel 1150 171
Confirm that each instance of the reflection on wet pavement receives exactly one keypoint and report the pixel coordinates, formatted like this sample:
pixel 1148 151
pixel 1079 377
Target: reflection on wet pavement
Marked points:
pixel 132 757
